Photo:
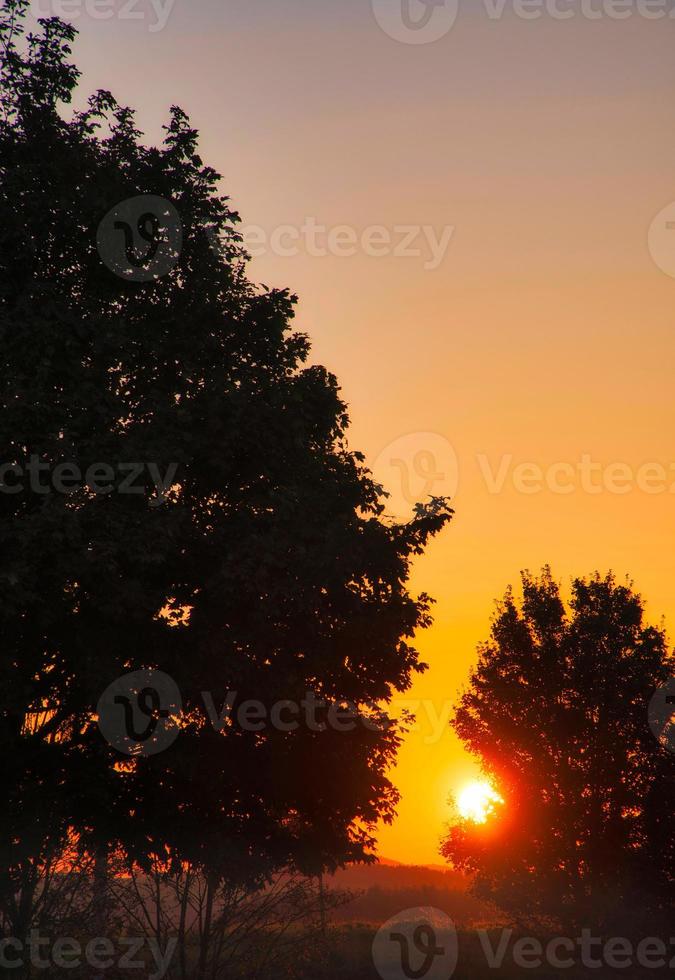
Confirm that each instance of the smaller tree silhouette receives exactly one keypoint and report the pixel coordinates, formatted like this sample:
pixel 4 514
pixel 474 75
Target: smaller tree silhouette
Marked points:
pixel 557 711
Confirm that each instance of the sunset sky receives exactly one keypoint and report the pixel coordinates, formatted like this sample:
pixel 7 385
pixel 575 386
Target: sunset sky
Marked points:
pixel 546 333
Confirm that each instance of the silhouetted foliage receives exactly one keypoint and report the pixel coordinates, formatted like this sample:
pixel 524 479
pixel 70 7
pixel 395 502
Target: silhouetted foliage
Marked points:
pixel 268 570
pixel 557 712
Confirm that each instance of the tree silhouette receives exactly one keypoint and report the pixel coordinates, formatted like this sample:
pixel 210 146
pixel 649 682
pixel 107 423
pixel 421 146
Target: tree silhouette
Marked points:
pixel 264 567
pixel 557 712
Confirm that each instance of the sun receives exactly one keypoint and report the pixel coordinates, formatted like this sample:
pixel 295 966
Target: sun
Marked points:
pixel 477 801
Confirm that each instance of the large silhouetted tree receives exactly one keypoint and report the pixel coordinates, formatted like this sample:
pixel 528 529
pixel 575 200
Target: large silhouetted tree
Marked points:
pixel 557 712
pixel 267 569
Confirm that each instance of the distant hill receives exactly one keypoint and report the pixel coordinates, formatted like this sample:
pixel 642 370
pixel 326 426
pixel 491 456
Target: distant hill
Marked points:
pixel 382 890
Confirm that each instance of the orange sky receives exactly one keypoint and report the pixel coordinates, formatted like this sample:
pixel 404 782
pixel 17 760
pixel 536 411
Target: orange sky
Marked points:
pixel 547 332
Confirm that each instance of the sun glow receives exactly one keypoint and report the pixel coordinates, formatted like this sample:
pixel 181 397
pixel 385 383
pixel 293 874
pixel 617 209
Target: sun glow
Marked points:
pixel 477 801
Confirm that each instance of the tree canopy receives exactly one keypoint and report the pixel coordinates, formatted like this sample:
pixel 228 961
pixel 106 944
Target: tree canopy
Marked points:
pixel 557 712
pixel 266 566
